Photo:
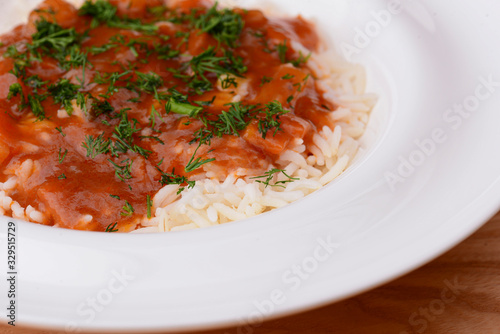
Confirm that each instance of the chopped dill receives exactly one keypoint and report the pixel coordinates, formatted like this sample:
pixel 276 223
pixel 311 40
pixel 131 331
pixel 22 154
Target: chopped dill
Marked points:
pixel 148 82
pixel 194 164
pixel 96 145
pixel 301 60
pixel 224 25
pixel 60 130
pixel 128 210
pixel 104 12
pixel 149 204
pixel 63 93
pixel 265 80
pixel 62 155
pixel 112 228
pixel 270 175
pixel 272 112
pixel 282 49
pixel 122 171
pixel 35 103
pixel 172 178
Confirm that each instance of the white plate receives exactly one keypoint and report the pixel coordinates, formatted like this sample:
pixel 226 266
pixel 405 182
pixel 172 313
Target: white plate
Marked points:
pixel 429 57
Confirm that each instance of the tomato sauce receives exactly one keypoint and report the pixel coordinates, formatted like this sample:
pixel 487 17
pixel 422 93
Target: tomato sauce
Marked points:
pixel 67 184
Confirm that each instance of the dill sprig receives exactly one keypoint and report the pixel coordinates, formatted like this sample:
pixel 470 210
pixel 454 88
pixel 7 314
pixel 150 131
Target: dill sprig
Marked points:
pixel 224 25
pixel 179 104
pixel 73 59
pixel 270 175
pixel 51 36
pixel 15 90
pixel 194 164
pixel 35 104
pixel 62 155
pixel 64 92
pixel 128 210
pixel 122 170
pixel 21 61
pixel 149 205
pixel 96 145
pixel 272 113
pixel 172 178
pixel 148 82
pixel 301 60
pixel 112 228
pixel 124 135
pixel 104 12
pixel 234 120
pixel 207 63
pixel 60 130
pixel 282 49
pixel 35 83
pixel 111 79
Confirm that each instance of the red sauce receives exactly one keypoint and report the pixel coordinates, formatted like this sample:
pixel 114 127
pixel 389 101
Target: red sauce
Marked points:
pixel 88 183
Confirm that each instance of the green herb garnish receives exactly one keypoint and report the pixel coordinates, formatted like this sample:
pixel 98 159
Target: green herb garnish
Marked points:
pixel 270 175
pixel 104 12
pixel 149 204
pixel 282 49
pixel 129 210
pixel 172 178
pixel 51 36
pixel 224 25
pixel 59 129
pixel 112 228
pixel 96 145
pixel 272 112
pixel 194 164
pixel 35 103
pixel 62 155
pixel 265 80
pixel 122 171
pixel 64 92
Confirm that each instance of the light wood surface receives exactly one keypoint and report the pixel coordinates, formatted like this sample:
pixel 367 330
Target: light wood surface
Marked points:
pixel 458 293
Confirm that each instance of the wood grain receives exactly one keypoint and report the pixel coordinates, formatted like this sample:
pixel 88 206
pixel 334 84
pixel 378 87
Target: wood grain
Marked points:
pixel 458 293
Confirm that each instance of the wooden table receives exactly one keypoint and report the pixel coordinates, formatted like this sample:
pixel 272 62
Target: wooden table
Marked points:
pixel 458 293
